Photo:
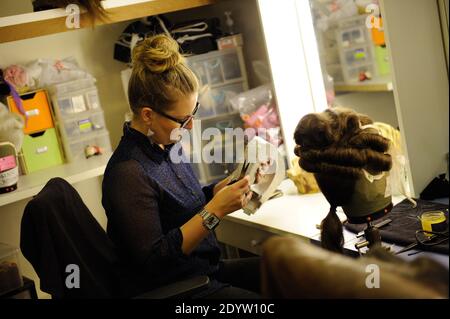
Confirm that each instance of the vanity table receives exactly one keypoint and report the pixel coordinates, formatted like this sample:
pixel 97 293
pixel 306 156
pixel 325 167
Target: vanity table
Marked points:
pixel 294 215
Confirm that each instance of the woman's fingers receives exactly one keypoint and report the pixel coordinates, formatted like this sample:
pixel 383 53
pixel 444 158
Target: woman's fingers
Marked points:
pixel 247 198
pixel 241 200
pixel 242 183
pixel 226 180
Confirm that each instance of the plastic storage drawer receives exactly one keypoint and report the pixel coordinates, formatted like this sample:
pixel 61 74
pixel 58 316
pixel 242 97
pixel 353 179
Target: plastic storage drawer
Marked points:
pixel 353 36
pixel 37 109
pixel 71 86
pixel 222 122
pixel 75 149
pixel 352 75
pixel 82 124
pixel 222 96
pixel 76 102
pixel 216 101
pixel 10 272
pixel 357 56
pixel 353 21
pixel 41 150
pixel 218 67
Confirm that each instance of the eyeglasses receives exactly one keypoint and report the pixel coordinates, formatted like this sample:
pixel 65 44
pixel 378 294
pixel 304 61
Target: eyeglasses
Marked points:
pixel 182 122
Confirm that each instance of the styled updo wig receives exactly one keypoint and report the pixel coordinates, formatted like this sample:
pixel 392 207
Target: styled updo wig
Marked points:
pixel 334 146
pixel 160 75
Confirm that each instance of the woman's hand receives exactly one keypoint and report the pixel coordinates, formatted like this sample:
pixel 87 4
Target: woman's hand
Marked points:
pixel 221 184
pixel 258 177
pixel 230 198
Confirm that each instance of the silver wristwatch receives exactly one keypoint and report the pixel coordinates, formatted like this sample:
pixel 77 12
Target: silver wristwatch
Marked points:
pixel 210 221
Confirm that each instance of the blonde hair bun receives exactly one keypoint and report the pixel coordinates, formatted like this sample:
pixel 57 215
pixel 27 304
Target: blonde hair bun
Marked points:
pixel 157 54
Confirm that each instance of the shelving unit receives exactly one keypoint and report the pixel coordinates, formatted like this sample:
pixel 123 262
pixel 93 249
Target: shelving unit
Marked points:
pixel 31 184
pixel 30 25
pixel 382 84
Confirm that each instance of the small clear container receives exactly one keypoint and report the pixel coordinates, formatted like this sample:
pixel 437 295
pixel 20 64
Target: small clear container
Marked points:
pixel 75 102
pixel 218 67
pixel 83 124
pixel 352 74
pixel 93 99
pixel 232 120
pixel 76 149
pixel 71 86
pixel 357 56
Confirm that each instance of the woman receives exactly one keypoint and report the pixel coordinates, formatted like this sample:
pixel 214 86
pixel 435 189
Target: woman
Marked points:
pixel 153 204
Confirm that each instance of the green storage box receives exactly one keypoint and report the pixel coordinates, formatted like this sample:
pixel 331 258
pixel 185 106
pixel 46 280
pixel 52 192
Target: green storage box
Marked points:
pixel 381 56
pixel 41 150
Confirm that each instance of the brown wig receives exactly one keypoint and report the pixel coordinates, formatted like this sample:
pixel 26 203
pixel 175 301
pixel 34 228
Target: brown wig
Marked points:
pixel 333 146
pixel 94 7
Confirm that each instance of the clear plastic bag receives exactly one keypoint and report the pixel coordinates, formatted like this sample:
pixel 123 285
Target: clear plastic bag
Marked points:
pixel 18 77
pixel 398 175
pixel 46 72
pixel 330 12
pixel 258 111
pixel 251 100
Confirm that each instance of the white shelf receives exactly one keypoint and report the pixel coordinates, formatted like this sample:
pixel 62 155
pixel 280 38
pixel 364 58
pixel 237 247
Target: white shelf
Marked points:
pixel 382 84
pixel 31 184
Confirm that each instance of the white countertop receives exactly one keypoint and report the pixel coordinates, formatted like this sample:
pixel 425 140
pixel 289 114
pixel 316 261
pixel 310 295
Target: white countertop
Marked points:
pixel 31 184
pixel 298 214
pixel 293 213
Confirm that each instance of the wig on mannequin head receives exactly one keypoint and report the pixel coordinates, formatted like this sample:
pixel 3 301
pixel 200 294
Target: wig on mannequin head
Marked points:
pixel 342 150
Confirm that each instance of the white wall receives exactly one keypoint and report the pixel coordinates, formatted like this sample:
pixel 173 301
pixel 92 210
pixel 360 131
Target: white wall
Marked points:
pixel 379 106
pixel 420 78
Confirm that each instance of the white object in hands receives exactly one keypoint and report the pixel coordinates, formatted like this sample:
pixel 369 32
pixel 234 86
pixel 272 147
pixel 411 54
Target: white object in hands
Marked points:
pixel 259 154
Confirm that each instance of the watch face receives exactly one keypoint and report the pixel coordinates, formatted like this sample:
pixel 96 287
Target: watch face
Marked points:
pixel 211 222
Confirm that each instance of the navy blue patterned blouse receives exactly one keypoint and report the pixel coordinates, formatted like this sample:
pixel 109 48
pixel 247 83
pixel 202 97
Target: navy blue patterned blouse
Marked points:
pixel 147 198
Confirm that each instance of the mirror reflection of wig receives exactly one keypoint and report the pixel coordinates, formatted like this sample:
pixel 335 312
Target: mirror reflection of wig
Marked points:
pixel 334 147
